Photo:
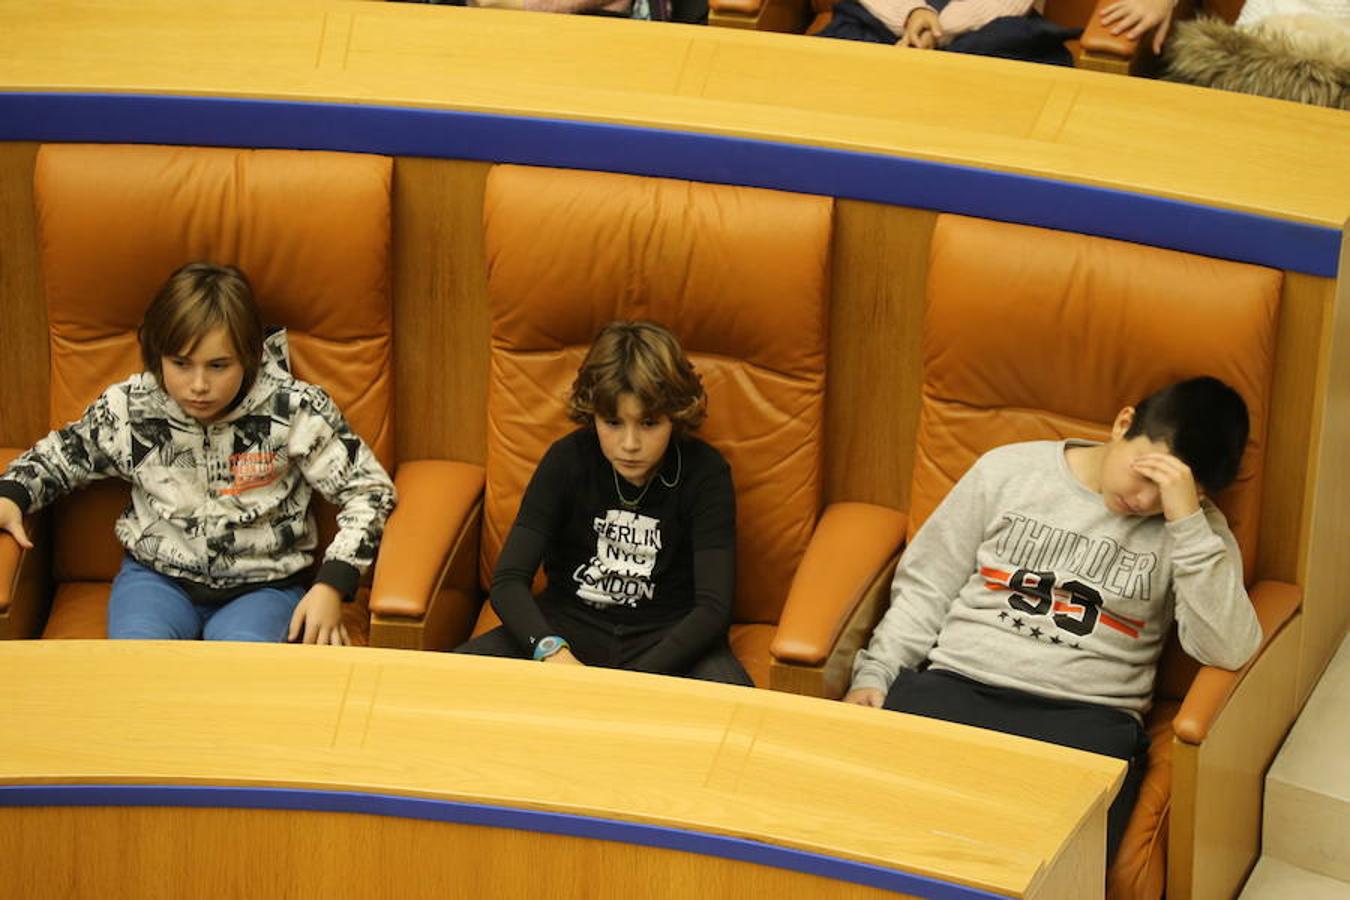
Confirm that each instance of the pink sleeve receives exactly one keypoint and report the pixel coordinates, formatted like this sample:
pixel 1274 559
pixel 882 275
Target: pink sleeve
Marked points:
pixel 961 16
pixel 892 13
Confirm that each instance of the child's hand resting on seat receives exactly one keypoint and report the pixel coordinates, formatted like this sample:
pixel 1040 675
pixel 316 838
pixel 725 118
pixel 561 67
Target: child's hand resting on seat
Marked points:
pixel 11 520
pixel 922 30
pixel 1135 17
pixel 866 697
pixel 318 618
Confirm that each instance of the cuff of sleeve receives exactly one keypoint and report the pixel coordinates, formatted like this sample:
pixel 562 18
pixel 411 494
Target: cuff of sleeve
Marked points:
pixel 1191 527
pixel 870 678
pixel 12 490
pixel 339 575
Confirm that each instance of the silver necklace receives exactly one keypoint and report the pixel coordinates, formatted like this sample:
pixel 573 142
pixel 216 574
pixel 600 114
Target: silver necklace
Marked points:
pixel 633 504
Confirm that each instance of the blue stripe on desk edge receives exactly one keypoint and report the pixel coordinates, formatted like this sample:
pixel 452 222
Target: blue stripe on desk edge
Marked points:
pixel 452 134
pixel 740 849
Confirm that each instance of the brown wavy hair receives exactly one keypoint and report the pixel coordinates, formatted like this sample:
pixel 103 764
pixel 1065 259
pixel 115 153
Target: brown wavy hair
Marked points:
pixel 196 299
pixel 643 359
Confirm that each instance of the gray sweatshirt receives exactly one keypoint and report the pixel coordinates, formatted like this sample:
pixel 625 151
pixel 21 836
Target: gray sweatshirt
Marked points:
pixel 1022 578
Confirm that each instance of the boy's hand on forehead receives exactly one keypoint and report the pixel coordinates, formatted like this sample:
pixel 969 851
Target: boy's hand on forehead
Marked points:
pixel 1176 485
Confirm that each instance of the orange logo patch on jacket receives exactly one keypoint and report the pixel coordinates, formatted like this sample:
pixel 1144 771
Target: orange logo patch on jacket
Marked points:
pixel 252 470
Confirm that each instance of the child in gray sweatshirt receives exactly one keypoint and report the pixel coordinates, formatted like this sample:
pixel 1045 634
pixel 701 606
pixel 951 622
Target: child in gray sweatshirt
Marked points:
pixel 1041 590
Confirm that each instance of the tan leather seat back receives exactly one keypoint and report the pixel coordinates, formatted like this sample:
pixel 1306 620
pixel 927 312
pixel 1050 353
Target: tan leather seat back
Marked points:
pixel 310 229
pixel 740 275
pixel 1033 334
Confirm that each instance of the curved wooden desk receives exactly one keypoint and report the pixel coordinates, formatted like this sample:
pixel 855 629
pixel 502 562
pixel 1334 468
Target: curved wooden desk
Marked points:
pixel 191 769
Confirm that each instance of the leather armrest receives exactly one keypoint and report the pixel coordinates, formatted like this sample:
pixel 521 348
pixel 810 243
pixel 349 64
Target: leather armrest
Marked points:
pixel 25 575
pixel 1098 39
pixel 11 554
pixel 25 581
pixel 437 502
pixel 1275 602
pixel 851 544
pixel 11 558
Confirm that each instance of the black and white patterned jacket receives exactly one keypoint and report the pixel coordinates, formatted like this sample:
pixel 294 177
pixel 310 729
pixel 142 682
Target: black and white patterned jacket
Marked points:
pixel 226 504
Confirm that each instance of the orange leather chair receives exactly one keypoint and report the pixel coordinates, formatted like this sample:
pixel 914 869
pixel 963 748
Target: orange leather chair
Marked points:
pixel 741 275
pixel 1097 49
pixel 1035 334
pixel 311 230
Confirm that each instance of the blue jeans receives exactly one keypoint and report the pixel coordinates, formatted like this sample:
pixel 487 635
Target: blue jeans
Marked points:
pixel 147 605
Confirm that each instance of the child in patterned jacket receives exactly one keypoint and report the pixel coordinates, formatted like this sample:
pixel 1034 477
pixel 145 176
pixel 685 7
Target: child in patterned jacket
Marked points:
pixel 223 449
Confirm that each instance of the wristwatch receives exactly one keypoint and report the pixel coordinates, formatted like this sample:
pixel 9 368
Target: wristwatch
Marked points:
pixel 547 646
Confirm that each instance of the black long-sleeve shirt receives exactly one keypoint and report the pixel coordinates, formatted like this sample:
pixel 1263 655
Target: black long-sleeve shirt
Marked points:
pixel 670 562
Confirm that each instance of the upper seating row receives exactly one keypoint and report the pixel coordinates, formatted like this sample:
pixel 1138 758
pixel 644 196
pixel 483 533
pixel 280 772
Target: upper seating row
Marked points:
pixel 1098 49
pixel 1028 334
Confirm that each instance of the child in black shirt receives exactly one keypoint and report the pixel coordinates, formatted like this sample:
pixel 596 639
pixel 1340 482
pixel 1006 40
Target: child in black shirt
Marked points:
pixel 634 520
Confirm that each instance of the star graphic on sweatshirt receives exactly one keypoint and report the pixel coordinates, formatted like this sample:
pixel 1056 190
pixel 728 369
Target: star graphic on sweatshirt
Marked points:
pixel 1036 633
pixel 1003 614
pixel 1017 623
pixel 1054 639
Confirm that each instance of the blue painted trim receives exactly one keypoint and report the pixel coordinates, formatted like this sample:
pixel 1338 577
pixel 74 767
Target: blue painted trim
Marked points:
pixel 739 849
pixel 407 131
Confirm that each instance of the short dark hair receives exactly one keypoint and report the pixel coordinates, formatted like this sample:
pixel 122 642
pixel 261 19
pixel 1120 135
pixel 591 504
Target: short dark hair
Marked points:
pixel 1203 421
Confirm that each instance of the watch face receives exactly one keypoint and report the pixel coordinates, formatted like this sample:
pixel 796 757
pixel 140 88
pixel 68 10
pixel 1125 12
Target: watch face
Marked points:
pixel 547 646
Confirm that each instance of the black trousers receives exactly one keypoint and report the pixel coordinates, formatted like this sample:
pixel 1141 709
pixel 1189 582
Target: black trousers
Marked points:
pixel 611 646
pixel 951 697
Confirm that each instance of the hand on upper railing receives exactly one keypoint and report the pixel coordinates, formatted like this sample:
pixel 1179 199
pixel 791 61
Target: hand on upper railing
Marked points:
pixel 922 30
pixel 11 520
pixel 1134 18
